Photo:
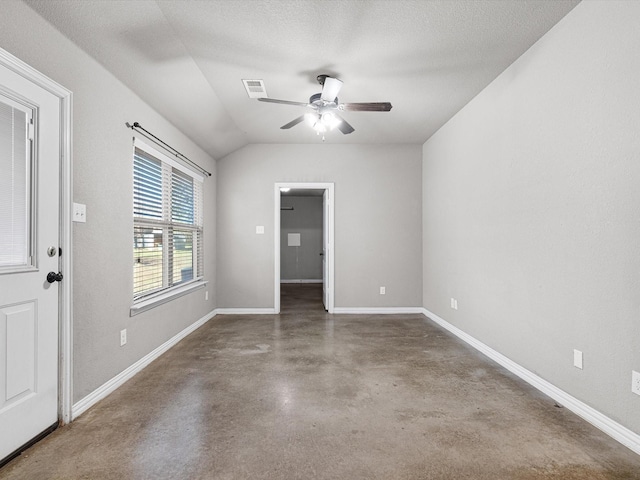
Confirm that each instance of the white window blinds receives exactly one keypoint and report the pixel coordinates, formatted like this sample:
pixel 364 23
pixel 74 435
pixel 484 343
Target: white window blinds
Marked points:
pixel 167 212
pixel 15 194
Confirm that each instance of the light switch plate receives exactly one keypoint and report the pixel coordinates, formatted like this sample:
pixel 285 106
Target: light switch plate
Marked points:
pixel 79 213
pixel 260 229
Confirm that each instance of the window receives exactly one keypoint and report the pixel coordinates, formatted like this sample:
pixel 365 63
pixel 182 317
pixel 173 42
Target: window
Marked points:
pixel 16 229
pixel 167 223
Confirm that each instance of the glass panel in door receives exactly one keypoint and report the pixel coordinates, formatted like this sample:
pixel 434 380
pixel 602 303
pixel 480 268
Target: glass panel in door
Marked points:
pixel 15 186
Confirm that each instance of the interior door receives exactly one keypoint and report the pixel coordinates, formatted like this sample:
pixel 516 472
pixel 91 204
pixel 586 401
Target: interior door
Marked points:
pixel 325 249
pixel 29 250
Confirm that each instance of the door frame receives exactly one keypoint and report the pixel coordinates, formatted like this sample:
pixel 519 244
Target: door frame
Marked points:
pixel 329 187
pixel 65 305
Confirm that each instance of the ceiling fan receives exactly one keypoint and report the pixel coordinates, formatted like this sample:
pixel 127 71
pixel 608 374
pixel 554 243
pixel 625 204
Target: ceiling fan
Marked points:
pixel 324 108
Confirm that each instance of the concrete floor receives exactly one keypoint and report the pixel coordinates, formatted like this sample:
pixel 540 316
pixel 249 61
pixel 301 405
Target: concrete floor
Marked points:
pixel 306 395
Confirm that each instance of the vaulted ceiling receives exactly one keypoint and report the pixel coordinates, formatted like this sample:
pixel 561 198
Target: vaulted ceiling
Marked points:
pixel 187 59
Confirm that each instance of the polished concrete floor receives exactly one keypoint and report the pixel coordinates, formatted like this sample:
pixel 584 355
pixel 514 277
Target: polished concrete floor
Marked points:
pixel 306 395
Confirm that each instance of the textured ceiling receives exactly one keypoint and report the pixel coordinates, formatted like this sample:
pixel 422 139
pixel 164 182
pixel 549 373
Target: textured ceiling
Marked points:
pixel 187 59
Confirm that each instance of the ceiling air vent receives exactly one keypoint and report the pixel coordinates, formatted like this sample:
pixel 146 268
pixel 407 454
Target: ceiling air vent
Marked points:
pixel 255 88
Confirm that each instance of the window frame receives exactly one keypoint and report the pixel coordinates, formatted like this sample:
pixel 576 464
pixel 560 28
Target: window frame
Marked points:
pixel 29 235
pixel 169 290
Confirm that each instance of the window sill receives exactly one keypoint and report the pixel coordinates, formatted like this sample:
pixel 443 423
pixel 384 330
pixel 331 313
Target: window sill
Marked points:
pixel 165 297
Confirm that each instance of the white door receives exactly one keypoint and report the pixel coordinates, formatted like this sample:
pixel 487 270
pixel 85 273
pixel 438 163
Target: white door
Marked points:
pixel 325 249
pixel 29 250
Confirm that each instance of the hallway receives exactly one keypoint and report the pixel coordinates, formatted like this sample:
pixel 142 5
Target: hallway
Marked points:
pixel 309 395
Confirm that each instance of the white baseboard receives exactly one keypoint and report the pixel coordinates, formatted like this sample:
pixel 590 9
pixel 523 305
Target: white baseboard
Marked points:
pixel 245 311
pixel 302 280
pixel 618 432
pixel 101 392
pixel 377 310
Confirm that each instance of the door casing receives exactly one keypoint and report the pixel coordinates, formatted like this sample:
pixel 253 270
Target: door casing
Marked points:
pixel 65 306
pixel 329 188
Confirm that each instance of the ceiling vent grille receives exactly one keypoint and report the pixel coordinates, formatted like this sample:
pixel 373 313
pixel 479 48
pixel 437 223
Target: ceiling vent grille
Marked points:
pixel 255 88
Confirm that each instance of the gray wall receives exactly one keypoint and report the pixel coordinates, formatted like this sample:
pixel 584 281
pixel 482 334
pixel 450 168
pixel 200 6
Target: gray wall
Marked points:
pixel 102 179
pixel 377 220
pixel 303 262
pixel 531 210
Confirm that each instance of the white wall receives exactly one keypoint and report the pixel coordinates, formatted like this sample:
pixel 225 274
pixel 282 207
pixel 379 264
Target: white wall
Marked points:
pixel 377 220
pixel 531 209
pixel 102 179
pixel 303 262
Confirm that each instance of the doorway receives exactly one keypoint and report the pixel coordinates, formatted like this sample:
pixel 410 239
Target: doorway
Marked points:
pixel 325 190
pixel 35 201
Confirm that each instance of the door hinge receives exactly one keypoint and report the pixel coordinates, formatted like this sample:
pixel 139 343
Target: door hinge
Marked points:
pixel 31 130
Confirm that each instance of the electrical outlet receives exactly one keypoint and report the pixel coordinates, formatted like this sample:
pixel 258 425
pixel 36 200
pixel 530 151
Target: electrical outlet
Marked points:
pixel 383 290
pixel 635 382
pixel 123 337
pixel 577 359
pixel 454 303
pixel 206 295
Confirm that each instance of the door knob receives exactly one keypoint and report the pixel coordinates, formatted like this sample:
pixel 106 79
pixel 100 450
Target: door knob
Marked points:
pixel 54 277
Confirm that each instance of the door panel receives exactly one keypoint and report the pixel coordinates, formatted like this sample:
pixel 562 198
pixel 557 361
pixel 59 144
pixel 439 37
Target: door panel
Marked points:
pixel 29 333
pixel 18 326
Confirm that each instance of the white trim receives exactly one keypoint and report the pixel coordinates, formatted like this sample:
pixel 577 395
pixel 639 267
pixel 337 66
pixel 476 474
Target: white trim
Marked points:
pixel 329 187
pixel 101 392
pixel 612 428
pixel 66 244
pixel 165 296
pixel 33 75
pixel 245 311
pixel 377 310
pixel 302 280
pixel 65 312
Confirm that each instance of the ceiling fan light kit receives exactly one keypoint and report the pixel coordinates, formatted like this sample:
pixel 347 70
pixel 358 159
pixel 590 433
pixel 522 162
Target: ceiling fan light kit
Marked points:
pixel 325 105
pixel 322 123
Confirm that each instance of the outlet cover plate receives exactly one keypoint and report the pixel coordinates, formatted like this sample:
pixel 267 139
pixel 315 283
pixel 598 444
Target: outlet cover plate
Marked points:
pixel 635 382
pixel 123 337
pixel 577 359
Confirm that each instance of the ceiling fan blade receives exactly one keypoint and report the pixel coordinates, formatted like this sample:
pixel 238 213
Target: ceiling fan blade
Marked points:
pixel 343 126
pixel 283 102
pixel 366 107
pixel 330 89
pixel 293 123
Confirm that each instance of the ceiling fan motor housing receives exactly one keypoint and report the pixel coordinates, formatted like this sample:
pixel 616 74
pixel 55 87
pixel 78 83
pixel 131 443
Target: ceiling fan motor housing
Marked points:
pixel 316 99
